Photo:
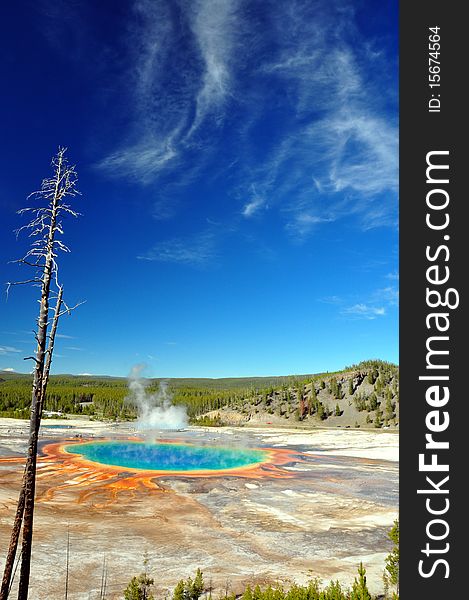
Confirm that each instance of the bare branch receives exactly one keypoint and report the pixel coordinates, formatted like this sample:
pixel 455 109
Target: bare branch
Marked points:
pixel 25 262
pixel 10 283
pixel 68 309
pixel 32 358
pixel 61 246
pixel 67 209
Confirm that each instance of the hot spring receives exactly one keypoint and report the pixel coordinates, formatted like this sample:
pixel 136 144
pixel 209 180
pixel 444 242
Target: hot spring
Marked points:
pixel 171 457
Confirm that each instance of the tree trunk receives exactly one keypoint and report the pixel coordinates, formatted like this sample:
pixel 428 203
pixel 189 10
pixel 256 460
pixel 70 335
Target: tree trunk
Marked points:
pixel 15 533
pixel 30 475
pixel 15 536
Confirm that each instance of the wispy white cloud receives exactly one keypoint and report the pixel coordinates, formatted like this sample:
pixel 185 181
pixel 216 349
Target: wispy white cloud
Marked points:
pixel 339 155
pixel 169 102
pixel 388 294
pixel 141 160
pixel 64 336
pixel 364 311
pixel 215 24
pixel 75 348
pixel 302 223
pixel 196 67
pixel 198 250
pixel 9 370
pixel 253 206
pixel 8 350
pixel 378 303
pixel 361 151
pixel 147 144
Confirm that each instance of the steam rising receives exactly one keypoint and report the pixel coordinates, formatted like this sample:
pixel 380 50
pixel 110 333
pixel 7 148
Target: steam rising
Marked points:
pixel 155 411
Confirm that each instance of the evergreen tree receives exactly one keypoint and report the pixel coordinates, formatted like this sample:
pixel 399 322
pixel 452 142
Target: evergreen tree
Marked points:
pixel 359 588
pixel 372 376
pixel 139 588
pixel 197 586
pixel 247 594
pixel 389 408
pixel 188 588
pixel 322 413
pixel 335 389
pixel 373 402
pixel 350 387
pixel 391 574
pixel 191 589
pixel 313 401
pixel 179 591
pixel 257 594
pixel 338 412
pixel 378 386
pixel 340 394
pixel 333 592
pixel 377 422
pixel 132 591
pixel 360 402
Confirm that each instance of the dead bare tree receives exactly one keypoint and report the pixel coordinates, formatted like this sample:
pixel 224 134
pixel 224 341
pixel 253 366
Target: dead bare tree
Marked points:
pixel 42 257
pixel 15 534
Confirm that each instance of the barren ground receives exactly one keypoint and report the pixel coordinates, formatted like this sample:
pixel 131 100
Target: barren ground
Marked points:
pixel 328 508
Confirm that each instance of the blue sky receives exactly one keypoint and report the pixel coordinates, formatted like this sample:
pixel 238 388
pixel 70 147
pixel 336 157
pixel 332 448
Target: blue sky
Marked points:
pixel 238 163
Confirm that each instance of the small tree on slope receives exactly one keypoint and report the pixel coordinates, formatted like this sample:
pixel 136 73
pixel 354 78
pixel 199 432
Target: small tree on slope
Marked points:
pixel 359 588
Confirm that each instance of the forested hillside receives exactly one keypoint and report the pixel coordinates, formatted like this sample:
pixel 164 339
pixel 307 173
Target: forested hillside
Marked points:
pixel 362 395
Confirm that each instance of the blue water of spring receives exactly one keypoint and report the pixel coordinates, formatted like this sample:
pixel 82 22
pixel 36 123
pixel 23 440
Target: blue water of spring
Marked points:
pixel 167 457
